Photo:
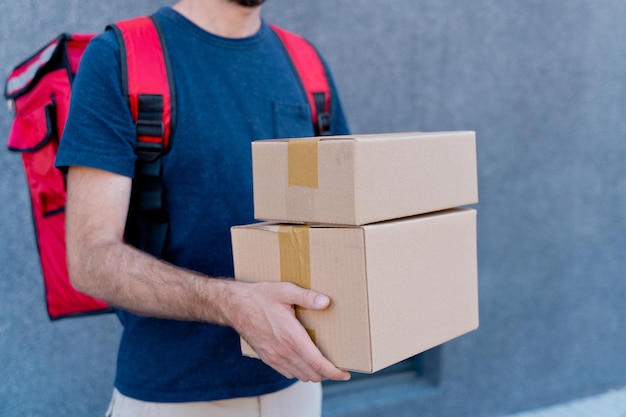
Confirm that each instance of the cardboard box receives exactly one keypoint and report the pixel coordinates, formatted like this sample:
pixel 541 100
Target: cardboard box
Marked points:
pixel 356 180
pixel 397 288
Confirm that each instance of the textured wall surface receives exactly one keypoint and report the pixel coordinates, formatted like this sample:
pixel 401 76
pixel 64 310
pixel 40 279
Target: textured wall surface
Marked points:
pixel 542 84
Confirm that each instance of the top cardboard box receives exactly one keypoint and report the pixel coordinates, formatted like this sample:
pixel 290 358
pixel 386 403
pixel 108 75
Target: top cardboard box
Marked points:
pixel 362 179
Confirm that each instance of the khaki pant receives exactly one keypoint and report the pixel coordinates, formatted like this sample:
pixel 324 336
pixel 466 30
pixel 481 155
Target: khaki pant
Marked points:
pixel 300 399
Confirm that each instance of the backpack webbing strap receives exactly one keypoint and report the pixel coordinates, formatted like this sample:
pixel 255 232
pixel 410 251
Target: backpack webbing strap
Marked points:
pixel 149 87
pixel 312 74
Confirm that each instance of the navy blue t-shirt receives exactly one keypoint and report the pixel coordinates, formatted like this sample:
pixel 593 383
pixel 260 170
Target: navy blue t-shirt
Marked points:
pixel 228 92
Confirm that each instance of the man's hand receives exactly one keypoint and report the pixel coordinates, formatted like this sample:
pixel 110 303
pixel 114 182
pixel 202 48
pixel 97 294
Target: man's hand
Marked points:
pixel 264 315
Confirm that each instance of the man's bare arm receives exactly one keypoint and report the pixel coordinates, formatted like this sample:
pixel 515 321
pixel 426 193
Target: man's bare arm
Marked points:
pixel 102 265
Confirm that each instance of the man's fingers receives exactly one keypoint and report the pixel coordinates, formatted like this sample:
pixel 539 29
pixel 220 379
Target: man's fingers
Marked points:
pixel 312 365
pixel 317 370
pixel 322 367
pixel 296 356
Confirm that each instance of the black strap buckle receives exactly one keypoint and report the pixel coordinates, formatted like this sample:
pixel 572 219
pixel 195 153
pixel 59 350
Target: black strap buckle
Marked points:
pixel 149 123
pixel 149 151
pixel 323 124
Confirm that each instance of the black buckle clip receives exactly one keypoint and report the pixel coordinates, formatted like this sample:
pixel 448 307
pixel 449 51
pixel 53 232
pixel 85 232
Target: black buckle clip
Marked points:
pixel 149 151
pixel 323 124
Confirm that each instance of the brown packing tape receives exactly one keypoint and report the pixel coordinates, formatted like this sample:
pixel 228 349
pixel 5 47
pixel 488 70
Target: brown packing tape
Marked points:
pixel 295 255
pixel 295 259
pixel 302 162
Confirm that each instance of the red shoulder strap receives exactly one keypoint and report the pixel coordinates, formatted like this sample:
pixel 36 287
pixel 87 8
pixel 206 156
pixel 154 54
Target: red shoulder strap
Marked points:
pixel 309 67
pixel 149 86
pixel 147 81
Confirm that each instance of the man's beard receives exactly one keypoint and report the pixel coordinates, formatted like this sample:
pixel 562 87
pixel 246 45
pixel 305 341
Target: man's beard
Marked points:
pixel 248 3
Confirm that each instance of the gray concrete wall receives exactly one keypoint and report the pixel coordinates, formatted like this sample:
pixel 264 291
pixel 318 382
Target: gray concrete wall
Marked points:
pixel 542 84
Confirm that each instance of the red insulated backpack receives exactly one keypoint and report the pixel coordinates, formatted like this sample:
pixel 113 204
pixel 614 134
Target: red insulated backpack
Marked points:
pixel 39 91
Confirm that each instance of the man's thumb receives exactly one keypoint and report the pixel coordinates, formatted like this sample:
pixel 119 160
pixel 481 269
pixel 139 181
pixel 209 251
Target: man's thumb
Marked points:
pixel 313 300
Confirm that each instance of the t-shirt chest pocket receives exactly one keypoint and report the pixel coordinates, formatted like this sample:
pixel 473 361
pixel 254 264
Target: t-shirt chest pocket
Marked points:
pixel 291 120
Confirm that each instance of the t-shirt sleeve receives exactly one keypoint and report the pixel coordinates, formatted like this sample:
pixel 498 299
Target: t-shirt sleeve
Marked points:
pixel 99 132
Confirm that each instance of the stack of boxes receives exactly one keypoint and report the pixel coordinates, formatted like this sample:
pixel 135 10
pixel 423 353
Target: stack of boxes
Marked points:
pixel 371 221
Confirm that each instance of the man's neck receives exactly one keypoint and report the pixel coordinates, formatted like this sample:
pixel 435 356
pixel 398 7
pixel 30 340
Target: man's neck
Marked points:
pixel 221 17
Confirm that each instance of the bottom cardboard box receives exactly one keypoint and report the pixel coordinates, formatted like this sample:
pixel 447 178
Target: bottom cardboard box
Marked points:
pixel 398 288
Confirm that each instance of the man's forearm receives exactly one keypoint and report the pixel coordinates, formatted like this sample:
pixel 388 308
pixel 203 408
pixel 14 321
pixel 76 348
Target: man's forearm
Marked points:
pixel 135 281
pixel 102 265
